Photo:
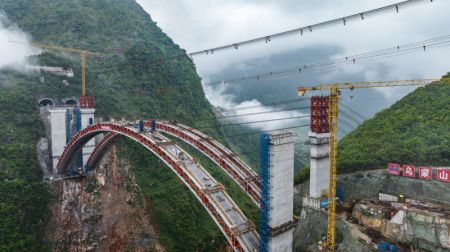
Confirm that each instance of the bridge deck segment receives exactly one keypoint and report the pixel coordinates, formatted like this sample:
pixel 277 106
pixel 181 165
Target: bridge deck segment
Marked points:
pixel 238 170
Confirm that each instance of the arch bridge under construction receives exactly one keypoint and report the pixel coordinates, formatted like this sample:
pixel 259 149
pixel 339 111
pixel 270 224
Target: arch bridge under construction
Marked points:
pixel 269 192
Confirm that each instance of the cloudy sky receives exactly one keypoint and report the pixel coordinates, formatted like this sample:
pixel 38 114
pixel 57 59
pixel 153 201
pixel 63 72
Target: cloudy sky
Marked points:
pixel 203 24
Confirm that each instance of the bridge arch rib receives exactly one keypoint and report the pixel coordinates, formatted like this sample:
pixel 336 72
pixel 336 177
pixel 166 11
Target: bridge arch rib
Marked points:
pixel 107 141
pixel 237 169
pixel 238 230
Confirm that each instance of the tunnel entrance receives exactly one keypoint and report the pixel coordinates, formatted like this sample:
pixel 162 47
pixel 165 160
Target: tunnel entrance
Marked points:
pixel 71 101
pixel 46 102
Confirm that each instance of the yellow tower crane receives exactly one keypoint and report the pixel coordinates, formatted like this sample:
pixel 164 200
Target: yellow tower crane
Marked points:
pixel 333 102
pixel 83 56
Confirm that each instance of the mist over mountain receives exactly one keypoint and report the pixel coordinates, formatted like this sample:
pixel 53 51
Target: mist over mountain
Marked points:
pixel 280 88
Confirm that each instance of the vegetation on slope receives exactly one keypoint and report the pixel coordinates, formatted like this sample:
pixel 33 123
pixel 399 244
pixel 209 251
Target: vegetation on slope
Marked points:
pixel 302 176
pixel 23 197
pixel 415 130
pixel 237 194
pixel 183 224
pixel 124 85
pixel 173 204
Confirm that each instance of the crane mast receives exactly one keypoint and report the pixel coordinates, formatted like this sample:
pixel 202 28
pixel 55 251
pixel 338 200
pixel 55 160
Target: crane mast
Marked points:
pixel 333 102
pixel 333 109
pixel 83 73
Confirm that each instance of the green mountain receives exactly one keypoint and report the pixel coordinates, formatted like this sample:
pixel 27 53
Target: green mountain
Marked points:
pixel 127 36
pixel 415 130
pixel 127 81
pixel 23 197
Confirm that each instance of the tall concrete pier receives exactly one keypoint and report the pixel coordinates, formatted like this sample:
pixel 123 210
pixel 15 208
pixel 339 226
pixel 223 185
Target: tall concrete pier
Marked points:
pixel 318 178
pixel 277 191
pixel 318 183
pixel 87 118
pixel 319 162
pixel 63 120
pixel 57 133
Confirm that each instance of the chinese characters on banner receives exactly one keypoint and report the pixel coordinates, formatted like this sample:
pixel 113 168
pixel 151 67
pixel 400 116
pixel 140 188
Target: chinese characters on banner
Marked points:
pixel 443 175
pixel 425 173
pixel 409 171
pixel 394 169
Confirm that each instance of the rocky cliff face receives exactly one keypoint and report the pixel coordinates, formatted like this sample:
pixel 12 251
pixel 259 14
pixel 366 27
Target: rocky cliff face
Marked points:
pixel 366 185
pixel 423 229
pixel 102 212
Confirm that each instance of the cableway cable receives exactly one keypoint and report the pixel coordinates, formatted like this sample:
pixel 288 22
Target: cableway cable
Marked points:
pixel 388 52
pixel 253 122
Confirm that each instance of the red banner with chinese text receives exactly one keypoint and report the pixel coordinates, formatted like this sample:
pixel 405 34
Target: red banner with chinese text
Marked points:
pixel 443 175
pixel 393 169
pixel 425 172
pixel 409 171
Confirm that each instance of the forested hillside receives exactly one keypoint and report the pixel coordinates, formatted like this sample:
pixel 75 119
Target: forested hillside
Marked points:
pixel 23 197
pixel 126 82
pixel 415 130
pixel 129 40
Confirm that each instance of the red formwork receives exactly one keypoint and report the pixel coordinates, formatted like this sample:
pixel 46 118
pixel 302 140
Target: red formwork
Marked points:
pixel 319 114
pixel 92 130
pixel 217 158
pixel 87 102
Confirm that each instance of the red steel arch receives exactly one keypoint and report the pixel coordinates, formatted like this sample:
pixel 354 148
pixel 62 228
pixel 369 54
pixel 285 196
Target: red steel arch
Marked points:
pixel 237 229
pixel 101 147
pixel 240 172
pixel 244 176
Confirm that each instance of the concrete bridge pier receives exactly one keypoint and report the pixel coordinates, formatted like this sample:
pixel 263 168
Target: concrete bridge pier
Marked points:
pixel 56 134
pixel 318 139
pixel 318 178
pixel 63 122
pixel 277 191
pixel 87 119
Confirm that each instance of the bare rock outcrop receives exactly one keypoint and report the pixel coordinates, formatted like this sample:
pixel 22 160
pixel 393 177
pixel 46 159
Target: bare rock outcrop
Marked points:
pixel 103 212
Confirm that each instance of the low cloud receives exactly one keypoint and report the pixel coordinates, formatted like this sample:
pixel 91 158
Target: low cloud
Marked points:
pixel 14 55
pixel 252 111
